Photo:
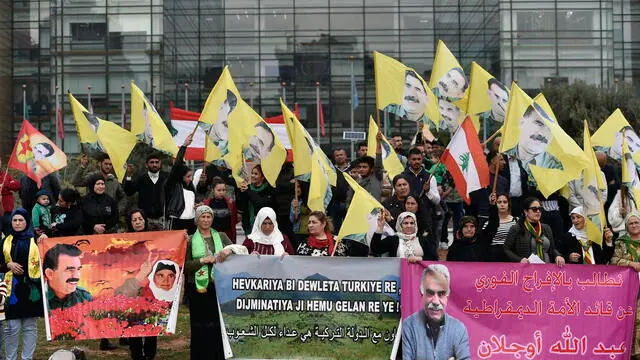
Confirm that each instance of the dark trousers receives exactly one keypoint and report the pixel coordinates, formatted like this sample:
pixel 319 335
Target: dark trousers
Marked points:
pixel 206 335
pixel 143 348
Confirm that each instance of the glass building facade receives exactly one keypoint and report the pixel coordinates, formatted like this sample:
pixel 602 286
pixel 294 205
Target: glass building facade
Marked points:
pixel 175 50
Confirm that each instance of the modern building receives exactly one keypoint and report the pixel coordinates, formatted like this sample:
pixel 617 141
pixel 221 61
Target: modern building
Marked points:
pixel 175 49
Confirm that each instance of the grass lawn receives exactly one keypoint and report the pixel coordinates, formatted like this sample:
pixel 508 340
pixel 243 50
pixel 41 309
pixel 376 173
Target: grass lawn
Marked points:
pixel 172 347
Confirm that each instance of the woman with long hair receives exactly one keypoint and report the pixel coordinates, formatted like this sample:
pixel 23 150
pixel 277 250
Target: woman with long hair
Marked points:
pixel 321 241
pixel 498 226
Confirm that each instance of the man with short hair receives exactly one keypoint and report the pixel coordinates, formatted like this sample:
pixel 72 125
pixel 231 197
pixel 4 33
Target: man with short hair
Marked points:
pixel 450 115
pixel 420 181
pixel 430 333
pixel 150 189
pixel 452 85
pixel 341 159
pixel 499 96
pixel 61 267
pixel 414 100
pixel 362 149
pixel 396 142
pixel 113 188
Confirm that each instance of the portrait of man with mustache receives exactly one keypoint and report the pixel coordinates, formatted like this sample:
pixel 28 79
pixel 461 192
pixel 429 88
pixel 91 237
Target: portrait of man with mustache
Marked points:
pixel 61 267
pixel 535 138
pixel 452 85
pixel 414 100
pixel 261 144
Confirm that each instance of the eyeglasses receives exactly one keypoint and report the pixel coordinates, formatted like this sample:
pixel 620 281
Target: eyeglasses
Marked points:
pixel 535 208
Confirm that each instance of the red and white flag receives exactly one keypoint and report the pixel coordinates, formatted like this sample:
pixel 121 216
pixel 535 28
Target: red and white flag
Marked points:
pixel 183 122
pixel 466 161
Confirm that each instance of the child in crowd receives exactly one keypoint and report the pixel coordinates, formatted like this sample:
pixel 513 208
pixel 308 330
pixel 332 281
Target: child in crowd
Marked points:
pixel 225 214
pixel 41 213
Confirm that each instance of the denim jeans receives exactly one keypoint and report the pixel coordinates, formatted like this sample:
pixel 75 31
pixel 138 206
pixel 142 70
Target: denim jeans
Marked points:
pixel 29 327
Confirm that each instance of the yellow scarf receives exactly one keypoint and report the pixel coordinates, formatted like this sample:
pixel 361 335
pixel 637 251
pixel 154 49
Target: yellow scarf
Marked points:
pixel 33 270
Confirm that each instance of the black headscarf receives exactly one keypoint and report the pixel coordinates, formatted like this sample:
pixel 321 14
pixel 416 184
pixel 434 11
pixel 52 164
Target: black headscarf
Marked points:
pixel 466 220
pixel 25 234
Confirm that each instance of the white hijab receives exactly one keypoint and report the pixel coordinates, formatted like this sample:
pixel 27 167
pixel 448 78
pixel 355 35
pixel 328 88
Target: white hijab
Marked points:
pixel 581 235
pixel 161 294
pixel 275 238
pixel 408 244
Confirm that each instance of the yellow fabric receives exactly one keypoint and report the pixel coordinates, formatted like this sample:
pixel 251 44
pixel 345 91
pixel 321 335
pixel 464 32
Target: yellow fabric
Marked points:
pixel 562 147
pixel 605 136
pixel 390 160
pixel 304 148
pixel 444 62
pixel 33 268
pixel 147 125
pixel 478 95
pixel 591 176
pixel 362 204
pixel 390 77
pixel 319 188
pixel 118 144
pixel 86 134
pixel 241 131
pixel 629 172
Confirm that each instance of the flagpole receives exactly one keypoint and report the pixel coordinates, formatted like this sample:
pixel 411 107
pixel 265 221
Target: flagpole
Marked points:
pixel 353 83
pixel 122 109
pixel 24 101
pixel 377 105
pixel 284 92
pixel 89 99
pixel 186 96
pixel 58 140
pixel 153 94
pixel 251 94
pixel 318 112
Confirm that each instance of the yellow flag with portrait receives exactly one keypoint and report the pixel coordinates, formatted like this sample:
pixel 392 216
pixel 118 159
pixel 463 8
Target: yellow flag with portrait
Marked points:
pixel 592 184
pixel 118 144
pixel 608 138
pixel 448 80
pixel 532 135
pixel 86 125
pixel 630 176
pixel 401 91
pixel 147 125
pixel 488 99
pixel 390 160
pixel 362 205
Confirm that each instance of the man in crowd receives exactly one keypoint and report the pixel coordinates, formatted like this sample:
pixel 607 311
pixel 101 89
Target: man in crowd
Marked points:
pixel 150 189
pixel 397 143
pixel 362 149
pixel 337 209
pixel 113 188
pixel 431 333
pixel 420 181
pixel 370 170
pixel 61 266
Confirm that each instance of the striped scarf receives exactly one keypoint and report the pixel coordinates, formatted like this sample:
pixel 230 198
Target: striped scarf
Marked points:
pixel 536 232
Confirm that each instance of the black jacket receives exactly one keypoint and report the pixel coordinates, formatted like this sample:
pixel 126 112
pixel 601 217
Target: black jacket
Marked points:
pixel 99 209
pixel 257 199
pixel 29 189
pixel 524 177
pixel 602 254
pixel 150 195
pixel 68 221
pixel 468 251
pixel 173 186
pixel 390 244
pixel 518 243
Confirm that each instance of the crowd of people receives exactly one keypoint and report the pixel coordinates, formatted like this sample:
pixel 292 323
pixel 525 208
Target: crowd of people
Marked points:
pixel 506 222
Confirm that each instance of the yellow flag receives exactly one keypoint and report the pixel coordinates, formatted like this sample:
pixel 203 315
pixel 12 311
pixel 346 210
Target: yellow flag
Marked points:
pixel 630 173
pixel 236 133
pixel 608 138
pixel 86 125
pixel 118 144
pixel 147 125
pixel 356 224
pixel 448 80
pixel 390 160
pixel 531 134
pixel 592 184
pixel 401 91
pixel 488 100
pixel 304 148
pixel 319 188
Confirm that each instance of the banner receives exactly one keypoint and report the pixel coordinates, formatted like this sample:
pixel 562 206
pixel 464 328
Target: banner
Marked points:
pixel 506 311
pixel 309 307
pixel 113 285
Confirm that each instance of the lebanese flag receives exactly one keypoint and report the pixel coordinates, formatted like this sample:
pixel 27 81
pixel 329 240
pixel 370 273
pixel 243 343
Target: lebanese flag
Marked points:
pixel 183 122
pixel 465 160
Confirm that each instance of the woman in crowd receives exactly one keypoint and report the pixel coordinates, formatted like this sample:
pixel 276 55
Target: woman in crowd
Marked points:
pixel 21 263
pixel 406 243
pixel 254 197
pixel 66 216
pixel 320 241
pixel 530 236
pixel 395 205
pixel 413 205
pixel 621 205
pixel 266 238
pixel 467 244
pixel 578 248
pixel 225 214
pixel 627 253
pixel 99 210
pixel 497 228
pixel 204 250
pixel 180 193
pixel 299 213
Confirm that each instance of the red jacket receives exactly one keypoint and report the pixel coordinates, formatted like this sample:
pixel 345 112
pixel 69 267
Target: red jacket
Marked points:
pixel 10 185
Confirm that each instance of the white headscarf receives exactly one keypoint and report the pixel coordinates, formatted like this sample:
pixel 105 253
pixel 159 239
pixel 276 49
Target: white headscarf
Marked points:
pixel 161 294
pixel 408 244
pixel 275 238
pixel 581 235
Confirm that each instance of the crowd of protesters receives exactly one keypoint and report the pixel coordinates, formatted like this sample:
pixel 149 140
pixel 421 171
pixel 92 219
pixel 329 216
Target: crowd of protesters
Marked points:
pixel 424 218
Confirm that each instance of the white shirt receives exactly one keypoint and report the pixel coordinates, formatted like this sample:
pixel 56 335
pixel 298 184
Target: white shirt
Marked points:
pixel 515 185
pixel 153 176
pixel 189 202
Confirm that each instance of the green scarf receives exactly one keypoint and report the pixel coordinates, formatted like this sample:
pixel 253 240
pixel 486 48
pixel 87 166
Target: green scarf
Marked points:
pixel 632 247
pixel 199 250
pixel 252 210
pixel 536 233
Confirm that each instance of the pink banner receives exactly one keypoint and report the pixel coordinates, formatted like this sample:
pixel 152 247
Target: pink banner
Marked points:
pixel 521 311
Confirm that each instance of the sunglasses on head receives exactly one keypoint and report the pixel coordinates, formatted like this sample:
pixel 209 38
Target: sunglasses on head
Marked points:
pixel 535 208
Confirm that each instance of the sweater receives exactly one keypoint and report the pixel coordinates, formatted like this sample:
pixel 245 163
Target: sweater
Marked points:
pixel 150 195
pixel 418 342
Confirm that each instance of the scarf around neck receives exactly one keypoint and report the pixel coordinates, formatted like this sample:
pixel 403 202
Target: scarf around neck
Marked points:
pixel 321 244
pixel 536 232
